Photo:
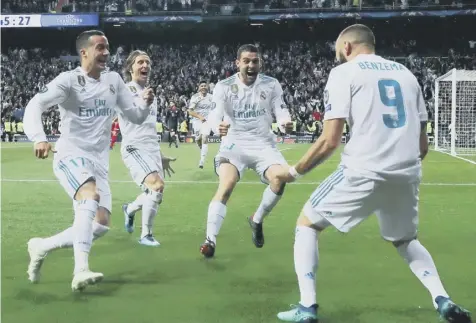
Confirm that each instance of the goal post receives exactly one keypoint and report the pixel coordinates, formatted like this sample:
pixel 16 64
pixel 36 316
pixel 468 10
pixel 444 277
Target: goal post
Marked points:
pixel 455 113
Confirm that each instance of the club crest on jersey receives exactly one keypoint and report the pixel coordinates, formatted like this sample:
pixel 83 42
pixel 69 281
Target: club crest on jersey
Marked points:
pixel 234 88
pixel 133 89
pixel 81 80
pixel 262 95
pixel 111 88
pixel 326 97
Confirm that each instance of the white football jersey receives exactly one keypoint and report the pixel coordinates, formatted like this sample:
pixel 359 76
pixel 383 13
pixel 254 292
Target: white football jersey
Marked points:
pixel 201 104
pixel 87 108
pixel 144 134
pixel 248 109
pixel 384 106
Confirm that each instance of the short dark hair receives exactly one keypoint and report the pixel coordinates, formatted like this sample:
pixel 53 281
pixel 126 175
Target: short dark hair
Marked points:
pixel 202 81
pixel 360 34
pixel 247 48
pixel 83 39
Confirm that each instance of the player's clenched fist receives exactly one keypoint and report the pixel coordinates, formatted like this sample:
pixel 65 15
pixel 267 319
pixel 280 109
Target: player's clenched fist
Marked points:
pixel 223 128
pixel 148 96
pixel 42 149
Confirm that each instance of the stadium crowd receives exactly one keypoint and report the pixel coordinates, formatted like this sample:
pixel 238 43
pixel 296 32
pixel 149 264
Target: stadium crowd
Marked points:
pixel 209 6
pixel 302 68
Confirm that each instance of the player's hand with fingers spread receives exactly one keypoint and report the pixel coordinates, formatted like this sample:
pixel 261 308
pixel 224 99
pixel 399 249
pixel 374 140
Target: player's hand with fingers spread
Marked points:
pixel 166 165
pixel 42 149
pixel 288 126
pixel 223 128
pixel 148 95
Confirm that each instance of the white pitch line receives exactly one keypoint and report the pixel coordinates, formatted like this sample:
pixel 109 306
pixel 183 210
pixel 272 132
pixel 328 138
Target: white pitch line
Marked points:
pixel 12 180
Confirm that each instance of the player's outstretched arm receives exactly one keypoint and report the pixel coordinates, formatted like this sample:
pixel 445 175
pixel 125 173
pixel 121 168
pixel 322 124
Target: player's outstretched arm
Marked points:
pixel 134 109
pixel 281 111
pixel 218 109
pixel 55 92
pixel 324 146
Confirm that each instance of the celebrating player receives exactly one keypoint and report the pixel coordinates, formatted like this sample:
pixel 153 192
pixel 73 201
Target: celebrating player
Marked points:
pixel 200 105
pixel 380 169
pixel 87 97
pixel 247 101
pixel 114 132
pixel 141 152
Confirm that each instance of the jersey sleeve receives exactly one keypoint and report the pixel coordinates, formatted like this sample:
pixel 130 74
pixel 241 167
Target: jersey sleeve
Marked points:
pixel 337 95
pixel 217 110
pixel 55 92
pixel 133 108
pixel 279 107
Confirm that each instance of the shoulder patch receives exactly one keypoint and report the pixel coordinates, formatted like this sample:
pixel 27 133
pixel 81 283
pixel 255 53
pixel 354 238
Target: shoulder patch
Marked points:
pixel 44 89
pixel 81 80
pixel 133 89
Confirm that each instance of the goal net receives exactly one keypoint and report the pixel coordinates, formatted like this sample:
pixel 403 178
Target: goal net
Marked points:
pixel 455 113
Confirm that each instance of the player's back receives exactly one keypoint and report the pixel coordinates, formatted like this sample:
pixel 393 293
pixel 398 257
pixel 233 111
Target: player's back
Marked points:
pixel 144 134
pixel 386 108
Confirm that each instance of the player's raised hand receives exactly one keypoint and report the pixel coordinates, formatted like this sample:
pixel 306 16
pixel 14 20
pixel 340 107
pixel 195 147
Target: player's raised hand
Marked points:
pixel 148 95
pixel 288 127
pixel 223 128
pixel 42 149
pixel 166 165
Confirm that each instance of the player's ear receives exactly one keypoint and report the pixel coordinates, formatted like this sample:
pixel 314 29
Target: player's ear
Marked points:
pixel 237 63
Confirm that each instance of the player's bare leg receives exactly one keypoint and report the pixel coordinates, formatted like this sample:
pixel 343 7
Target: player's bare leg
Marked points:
pixel 199 141
pixel 151 201
pixel 271 196
pixel 38 248
pixel 203 150
pixel 217 207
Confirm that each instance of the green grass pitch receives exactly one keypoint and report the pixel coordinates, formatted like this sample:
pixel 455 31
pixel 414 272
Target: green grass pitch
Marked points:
pixel 361 278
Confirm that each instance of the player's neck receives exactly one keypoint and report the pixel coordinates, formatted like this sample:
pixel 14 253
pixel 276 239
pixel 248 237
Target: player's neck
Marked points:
pixel 91 72
pixel 140 83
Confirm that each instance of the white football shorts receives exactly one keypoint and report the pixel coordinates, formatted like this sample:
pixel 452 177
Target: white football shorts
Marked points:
pixel 257 158
pixel 200 128
pixel 141 162
pixel 346 199
pixel 73 171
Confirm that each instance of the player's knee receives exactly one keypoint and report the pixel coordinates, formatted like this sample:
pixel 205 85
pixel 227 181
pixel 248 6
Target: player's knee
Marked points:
pixel 154 183
pixel 402 242
pixel 318 223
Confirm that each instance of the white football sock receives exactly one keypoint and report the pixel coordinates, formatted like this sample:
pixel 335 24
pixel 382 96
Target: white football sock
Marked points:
pixel 305 263
pixel 422 265
pixel 137 204
pixel 268 202
pixel 64 239
pixel 149 211
pixel 203 153
pixel 216 215
pixel 83 233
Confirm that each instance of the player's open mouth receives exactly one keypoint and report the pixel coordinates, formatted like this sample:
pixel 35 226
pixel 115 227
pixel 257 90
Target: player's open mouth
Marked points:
pixel 251 73
pixel 144 73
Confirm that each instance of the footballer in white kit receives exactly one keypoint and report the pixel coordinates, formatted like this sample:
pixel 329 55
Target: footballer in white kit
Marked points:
pixel 87 97
pixel 141 154
pixel 200 106
pixel 379 173
pixel 247 102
